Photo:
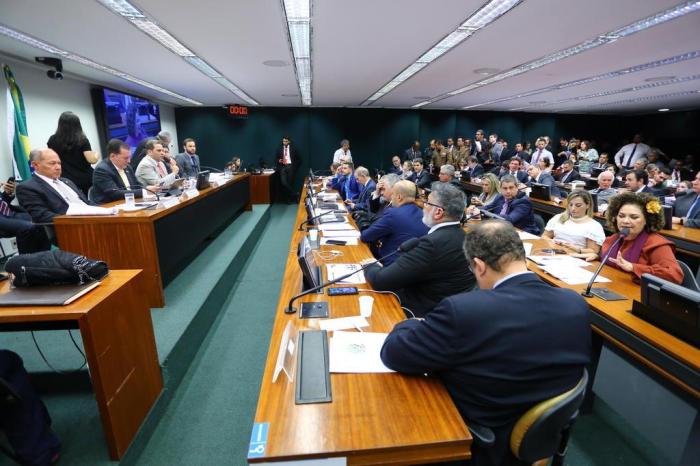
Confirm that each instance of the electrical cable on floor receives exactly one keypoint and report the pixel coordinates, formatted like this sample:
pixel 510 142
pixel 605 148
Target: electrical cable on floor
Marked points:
pixel 75 343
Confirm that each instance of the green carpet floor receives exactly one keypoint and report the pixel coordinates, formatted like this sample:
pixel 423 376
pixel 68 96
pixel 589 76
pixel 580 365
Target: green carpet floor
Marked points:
pixel 210 417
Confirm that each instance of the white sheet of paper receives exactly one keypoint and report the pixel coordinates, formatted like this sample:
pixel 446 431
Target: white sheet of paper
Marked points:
pixel 573 275
pixel 318 211
pixel 341 234
pixel 528 248
pixel 349 241
pixel 343 323
pixel 356 352
pixel 333 271
pixel 525 235
pixel 559 260
pixel 84 209
pixel 336 226
pixel 328 196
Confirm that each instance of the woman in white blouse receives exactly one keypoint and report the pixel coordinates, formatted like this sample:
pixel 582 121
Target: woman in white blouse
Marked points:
pixel 575 227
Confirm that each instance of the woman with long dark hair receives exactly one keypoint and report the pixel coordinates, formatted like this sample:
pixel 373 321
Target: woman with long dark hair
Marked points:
pixel 75 151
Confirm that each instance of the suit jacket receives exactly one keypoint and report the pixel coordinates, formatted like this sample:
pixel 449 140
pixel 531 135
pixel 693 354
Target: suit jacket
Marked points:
pixel 410 155
pixel 394 170
pixel 423 181
pixel 108 186
pixel 657 258
pixel 573 175
pixel 365 195
pixel 476 172
pixel 523 156
pixel 498 352
pixel 293 154
pixel 547 179
pixel 435 269
pixel 521 176
pixel 147 174
pixel 521 214
pixel 184 163
pixel 681 208
pixel 495 205
pixel 395 226
pixel 42 201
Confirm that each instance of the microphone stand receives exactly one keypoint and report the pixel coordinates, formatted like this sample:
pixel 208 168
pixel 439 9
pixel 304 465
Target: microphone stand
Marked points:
pixel 305 222
pixel 211 169
pixel 604 293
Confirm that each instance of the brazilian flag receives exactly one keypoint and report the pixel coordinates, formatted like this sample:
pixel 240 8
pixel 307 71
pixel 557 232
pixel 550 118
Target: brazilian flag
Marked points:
pixel 18 120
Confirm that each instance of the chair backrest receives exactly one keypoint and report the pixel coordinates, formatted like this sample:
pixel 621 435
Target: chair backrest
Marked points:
pixel 539 221
pixel 688 277
pixel 91 192
pixel 536 435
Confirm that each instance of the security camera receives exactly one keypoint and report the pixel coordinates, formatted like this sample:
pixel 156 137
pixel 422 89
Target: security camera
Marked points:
pixel 56 63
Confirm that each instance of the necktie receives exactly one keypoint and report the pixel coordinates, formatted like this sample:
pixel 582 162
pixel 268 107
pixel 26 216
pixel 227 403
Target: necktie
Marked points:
pixel 125 179
pixel 70 196
pixel 629 159
pixel 537 156
pixel 693 207
pixel 194 163
pixel 286 155
pixel 504 210
pixel 161 170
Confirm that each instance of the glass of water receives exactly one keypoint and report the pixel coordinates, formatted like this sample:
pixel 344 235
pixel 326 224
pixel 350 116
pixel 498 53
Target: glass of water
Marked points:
pixel 129 201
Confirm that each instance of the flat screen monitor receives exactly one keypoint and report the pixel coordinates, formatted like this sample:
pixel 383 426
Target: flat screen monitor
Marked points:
pixel 309 210
pixel 542 192
pixel 125 116
pixel 596 171
pixel 203 179
pixel 310 270
pixel 671 307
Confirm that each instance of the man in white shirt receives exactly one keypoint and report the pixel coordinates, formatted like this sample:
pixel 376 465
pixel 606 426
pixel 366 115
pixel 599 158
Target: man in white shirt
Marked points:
pixel 343 154
pixel 629 153
pixel 541 153
pixel 151 170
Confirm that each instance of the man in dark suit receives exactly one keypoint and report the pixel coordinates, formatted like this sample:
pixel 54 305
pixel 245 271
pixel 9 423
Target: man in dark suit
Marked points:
pixel 188 161
pixel 398 224
pixel 164 137
pixel 15 221
pixel 502 349
pixel 568 174
pixel 396 165
pixel 46 194
pixel 517 208
pixel 521 153
pixel 514 170
pixel 474 170
pixel 413 152
pixel 26 422
pixel 367 188
pixel 113 177
pixel 636 181
pixel 420 176
pixel 381 197
pixel 686 210
pixel 435 268
pixel 288 162
pixel 538 176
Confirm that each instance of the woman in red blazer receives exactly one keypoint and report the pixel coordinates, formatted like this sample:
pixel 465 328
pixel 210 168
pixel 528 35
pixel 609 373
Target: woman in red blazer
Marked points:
pixel 643 250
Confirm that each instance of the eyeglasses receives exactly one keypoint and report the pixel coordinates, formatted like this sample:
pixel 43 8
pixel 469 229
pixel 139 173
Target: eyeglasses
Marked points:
pixel 433 205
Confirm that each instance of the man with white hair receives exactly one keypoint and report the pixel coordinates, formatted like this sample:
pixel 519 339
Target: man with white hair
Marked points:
pixel 604 191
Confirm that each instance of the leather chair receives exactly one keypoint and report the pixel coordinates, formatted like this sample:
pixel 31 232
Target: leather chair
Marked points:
pixel 689 280
pixel 539 221
pixel 544 430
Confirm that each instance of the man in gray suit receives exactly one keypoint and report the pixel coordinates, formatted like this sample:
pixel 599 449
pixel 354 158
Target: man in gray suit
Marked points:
pixel 686 210
pixel 188 161
pixel 540 177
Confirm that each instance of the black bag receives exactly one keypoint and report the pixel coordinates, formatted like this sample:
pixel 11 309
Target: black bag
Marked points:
pixel 54 268
pixel 363 219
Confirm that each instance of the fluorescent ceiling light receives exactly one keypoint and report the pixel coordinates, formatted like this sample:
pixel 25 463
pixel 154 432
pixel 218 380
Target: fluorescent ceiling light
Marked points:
pixel 142 22
pixel 659 18
pixel 647 99
pixel 298 16
pixel 87 62
pixel 420 104
pixel 664 109
pixel 484 16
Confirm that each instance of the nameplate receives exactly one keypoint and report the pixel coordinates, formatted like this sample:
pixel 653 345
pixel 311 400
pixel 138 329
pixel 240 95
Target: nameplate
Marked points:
pixel 168 202
pixel 190 193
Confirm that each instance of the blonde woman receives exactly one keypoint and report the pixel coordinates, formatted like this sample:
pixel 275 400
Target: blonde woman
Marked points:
pixel 490 199
pixel 575 227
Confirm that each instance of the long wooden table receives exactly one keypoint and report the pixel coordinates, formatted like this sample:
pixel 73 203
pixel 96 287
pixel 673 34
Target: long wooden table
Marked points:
pixel 117 333
pixel 159 241
pixel 687 240
pixel 373 418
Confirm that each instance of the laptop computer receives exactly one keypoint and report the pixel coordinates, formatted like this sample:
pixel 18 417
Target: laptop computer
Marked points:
pixel 542 192
pixel 203 179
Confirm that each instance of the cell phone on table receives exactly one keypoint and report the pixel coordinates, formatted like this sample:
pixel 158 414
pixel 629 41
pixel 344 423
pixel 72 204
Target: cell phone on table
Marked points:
pixel 553 251
pixel 336 242
pixel 342 291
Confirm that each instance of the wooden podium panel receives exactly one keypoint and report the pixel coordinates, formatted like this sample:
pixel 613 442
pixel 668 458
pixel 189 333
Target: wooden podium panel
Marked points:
pixel 262 188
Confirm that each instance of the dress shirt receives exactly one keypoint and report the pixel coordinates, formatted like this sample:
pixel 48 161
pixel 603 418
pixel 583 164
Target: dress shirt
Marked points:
pixel 508 277
pixel 440 225
pixel 122 175
pixel 631 153
pixel 340 154
pixel 63 190
pixel 286 159
pixel 542 154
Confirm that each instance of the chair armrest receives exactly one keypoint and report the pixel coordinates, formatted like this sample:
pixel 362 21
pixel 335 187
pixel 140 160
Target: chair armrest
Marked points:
pixel 482 435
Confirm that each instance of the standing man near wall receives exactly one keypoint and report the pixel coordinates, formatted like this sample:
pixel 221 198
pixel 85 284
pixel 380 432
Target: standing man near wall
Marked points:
pixel 287 163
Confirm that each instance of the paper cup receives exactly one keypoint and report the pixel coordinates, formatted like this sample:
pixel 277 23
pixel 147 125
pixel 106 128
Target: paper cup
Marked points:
pixel 313 235
pixel 366 303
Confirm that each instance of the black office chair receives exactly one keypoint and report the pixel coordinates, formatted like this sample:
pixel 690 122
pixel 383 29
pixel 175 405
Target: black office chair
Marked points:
pixel 544 430
pixel 689 280
pixel 539 221
pixel 8 397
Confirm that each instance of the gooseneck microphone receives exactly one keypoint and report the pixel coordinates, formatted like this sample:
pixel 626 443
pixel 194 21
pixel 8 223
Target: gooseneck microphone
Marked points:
pixel 405 247
pixel 623 233
pixel 211 169
pixel 307 221
pixel 131 189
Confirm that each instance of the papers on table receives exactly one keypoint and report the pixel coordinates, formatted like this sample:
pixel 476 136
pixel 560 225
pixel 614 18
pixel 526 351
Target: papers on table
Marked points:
pixel 318 211
pixel 343 323
pixel 84 209
pixel 337 226
pixel 355 352
pixel 334 271
pixel 340 234
pixel 348 241
pixel 524 235
pixel 328 197
pixel 559 260
pixel 573 275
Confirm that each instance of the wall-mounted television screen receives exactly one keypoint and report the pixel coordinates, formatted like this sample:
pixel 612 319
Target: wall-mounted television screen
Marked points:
pixel 125 116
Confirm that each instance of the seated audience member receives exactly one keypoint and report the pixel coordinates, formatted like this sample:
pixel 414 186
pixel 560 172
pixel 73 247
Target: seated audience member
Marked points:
pixel 517 208
pixel 602 162
pixel 26 422
pixel 447 175
pixel 398 224
pixel 659 184
pixel 679 172
pixel 152 172
pixel 235 165
pixel 346 183
pixel 15 221
pixel 435 268
pixel 164 137
pixel 474 169
pixel 636 181
pixel 540 177
pixel 411 153
pixel 604 191
pixel 686 210
pixel 640 164
pixel 420 176
pixel 113 177
pixel 514 165
pixel 568 174
pixel 643 250
pixel 654 156
pixel 367 187
pixel 407 170
pixel 396 165
pixel 187 161
pixel 683 188
pixel 495 360
pixel 46 194
pixel 381 197
pixel 575 227
pixel 544 165
pixel 501 169
pixel 490 198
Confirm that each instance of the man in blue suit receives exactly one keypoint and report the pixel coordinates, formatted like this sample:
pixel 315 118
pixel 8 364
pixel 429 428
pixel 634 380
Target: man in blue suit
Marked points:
pixel 502 349
pixel 514 170
pixel 346 184
pixel 113 177
pixel 517 208
pixel 367 187
pixel 540 177
pixel 398 224
pixel 686 210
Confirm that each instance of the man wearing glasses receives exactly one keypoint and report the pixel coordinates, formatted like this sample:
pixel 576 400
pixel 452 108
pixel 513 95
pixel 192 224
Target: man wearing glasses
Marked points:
pixel 436 267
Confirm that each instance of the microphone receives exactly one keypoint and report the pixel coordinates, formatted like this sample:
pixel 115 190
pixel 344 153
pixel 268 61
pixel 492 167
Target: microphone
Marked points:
pixel 314 218
pixel 149 190
pixel 131 189
pixel 405 247
pixel 621 236
pixel 211 168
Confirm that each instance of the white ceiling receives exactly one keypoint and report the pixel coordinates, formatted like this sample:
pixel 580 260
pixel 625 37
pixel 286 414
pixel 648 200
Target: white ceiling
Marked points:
pixel 360 45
